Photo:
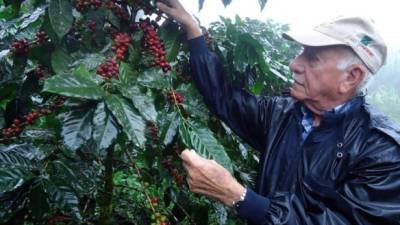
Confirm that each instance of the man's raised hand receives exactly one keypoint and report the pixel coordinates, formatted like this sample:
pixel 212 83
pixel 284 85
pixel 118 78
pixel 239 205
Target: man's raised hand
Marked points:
pixel 174 9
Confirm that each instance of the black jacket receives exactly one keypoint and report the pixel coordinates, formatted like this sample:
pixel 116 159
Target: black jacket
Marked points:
pixel 347 171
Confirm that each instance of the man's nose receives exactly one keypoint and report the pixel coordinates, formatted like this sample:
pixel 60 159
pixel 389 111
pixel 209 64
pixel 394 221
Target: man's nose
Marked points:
pixel 296 66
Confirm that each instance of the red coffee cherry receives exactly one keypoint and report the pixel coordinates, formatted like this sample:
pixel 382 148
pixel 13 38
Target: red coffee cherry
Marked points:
pixel 108 69
pixel 20 47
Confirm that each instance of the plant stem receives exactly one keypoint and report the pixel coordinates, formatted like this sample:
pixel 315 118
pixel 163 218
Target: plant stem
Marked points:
pixel 106 207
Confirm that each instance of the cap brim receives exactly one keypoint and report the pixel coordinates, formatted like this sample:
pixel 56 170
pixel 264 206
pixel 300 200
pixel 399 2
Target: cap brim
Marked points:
pixel 311 38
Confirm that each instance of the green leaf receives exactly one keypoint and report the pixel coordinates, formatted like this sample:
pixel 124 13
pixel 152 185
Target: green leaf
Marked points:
pixel 60 13
pixel 72 85
pixel 153 78
pixel 193 103
pixel 21 156
pixel 33 17
pixel 131 122
pixel 248 51
pixel 12 178
pixel 105 129
pixel 2 122
pixel 262 3
pixel 64 198
pixel 60 60
pixel 126 73
pixel 6 13
pixel 15 4
pixel 91 61
pixel 172 38
pixel 143 102
pixel 16 162
pixel 262 64
pixel 6 74
pixel 113 19
pixel 76 127
pixel 202 140
pixel 168 127
pixel 219 214
pixel 38 203
pixel 13 202
pixel 226 2
pixel 82 72
pixel 201 4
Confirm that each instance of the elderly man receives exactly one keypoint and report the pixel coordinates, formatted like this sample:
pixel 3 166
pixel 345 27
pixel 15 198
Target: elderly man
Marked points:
pixel 327 157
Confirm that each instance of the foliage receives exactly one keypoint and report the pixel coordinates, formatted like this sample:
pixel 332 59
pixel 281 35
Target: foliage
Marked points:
pixel 97 103
pixel 257 61
pixel 384 99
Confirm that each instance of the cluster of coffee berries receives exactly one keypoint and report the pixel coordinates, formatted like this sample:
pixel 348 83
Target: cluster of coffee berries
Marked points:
pixel 133 26
pixel 175 97
pixel 14 130
pixel 120 45
pixel 154 201
pixel 55 219
pixel 153 42
pixel 20 47
pixel 108 69
pixel 153 130
pixel 173 171
pixel 42 38
pixel 38 73
pixel 91 24
pixel 82 5
pixel 116 9
pixel 18 125
pixel 159 219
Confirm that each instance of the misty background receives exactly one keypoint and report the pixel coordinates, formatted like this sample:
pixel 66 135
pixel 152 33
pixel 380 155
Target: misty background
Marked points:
pixel 383 91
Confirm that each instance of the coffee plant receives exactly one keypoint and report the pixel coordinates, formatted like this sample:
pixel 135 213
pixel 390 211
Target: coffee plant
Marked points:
pixel 97 103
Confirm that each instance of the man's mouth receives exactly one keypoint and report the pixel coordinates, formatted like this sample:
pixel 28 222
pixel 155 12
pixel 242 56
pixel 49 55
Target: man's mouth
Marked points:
pixel 297 79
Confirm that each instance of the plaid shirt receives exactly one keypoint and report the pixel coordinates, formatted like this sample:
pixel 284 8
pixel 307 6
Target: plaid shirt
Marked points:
pixel 307 120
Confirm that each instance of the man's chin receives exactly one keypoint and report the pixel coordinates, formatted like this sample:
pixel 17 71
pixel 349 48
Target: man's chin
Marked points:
pixel 298 95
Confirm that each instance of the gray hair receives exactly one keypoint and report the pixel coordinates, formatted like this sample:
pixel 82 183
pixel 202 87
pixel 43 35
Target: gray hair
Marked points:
pixel 350 58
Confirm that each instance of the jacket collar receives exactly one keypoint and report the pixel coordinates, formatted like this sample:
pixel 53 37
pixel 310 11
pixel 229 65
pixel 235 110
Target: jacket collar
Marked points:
pixel 383 123
pixel 333 116
pixel 377 120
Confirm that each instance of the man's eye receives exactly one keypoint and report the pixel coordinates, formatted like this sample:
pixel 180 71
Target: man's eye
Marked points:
pixel 311 56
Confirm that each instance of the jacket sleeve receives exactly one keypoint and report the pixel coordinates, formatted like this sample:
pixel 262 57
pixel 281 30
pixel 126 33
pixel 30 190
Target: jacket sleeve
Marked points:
pixel 244 113
pixel 369 195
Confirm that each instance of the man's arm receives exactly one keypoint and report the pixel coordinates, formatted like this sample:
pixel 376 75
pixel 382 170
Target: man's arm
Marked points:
pixel 369 194
pixel 243 112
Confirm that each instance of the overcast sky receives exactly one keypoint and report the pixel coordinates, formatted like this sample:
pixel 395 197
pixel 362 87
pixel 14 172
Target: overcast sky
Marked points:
pixel 300 14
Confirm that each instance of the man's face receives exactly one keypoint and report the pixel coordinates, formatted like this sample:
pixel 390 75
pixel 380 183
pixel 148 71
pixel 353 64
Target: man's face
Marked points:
pixel 317 77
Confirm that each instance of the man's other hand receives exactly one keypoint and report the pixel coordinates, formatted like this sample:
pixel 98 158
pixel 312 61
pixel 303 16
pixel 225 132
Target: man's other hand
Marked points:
pixel 210 178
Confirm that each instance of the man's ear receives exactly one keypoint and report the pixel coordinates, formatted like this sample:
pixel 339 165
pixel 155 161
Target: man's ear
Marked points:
pixel 354 76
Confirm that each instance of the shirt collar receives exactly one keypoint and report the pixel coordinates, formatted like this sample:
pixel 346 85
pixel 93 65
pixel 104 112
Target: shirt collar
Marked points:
pixel 336 110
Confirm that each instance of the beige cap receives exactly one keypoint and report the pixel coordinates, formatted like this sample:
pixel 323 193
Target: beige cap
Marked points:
pixel 355 32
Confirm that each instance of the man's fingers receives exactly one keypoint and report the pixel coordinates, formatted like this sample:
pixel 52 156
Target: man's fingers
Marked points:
pixel 172 3
pixel 163 7
pixel 187 156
